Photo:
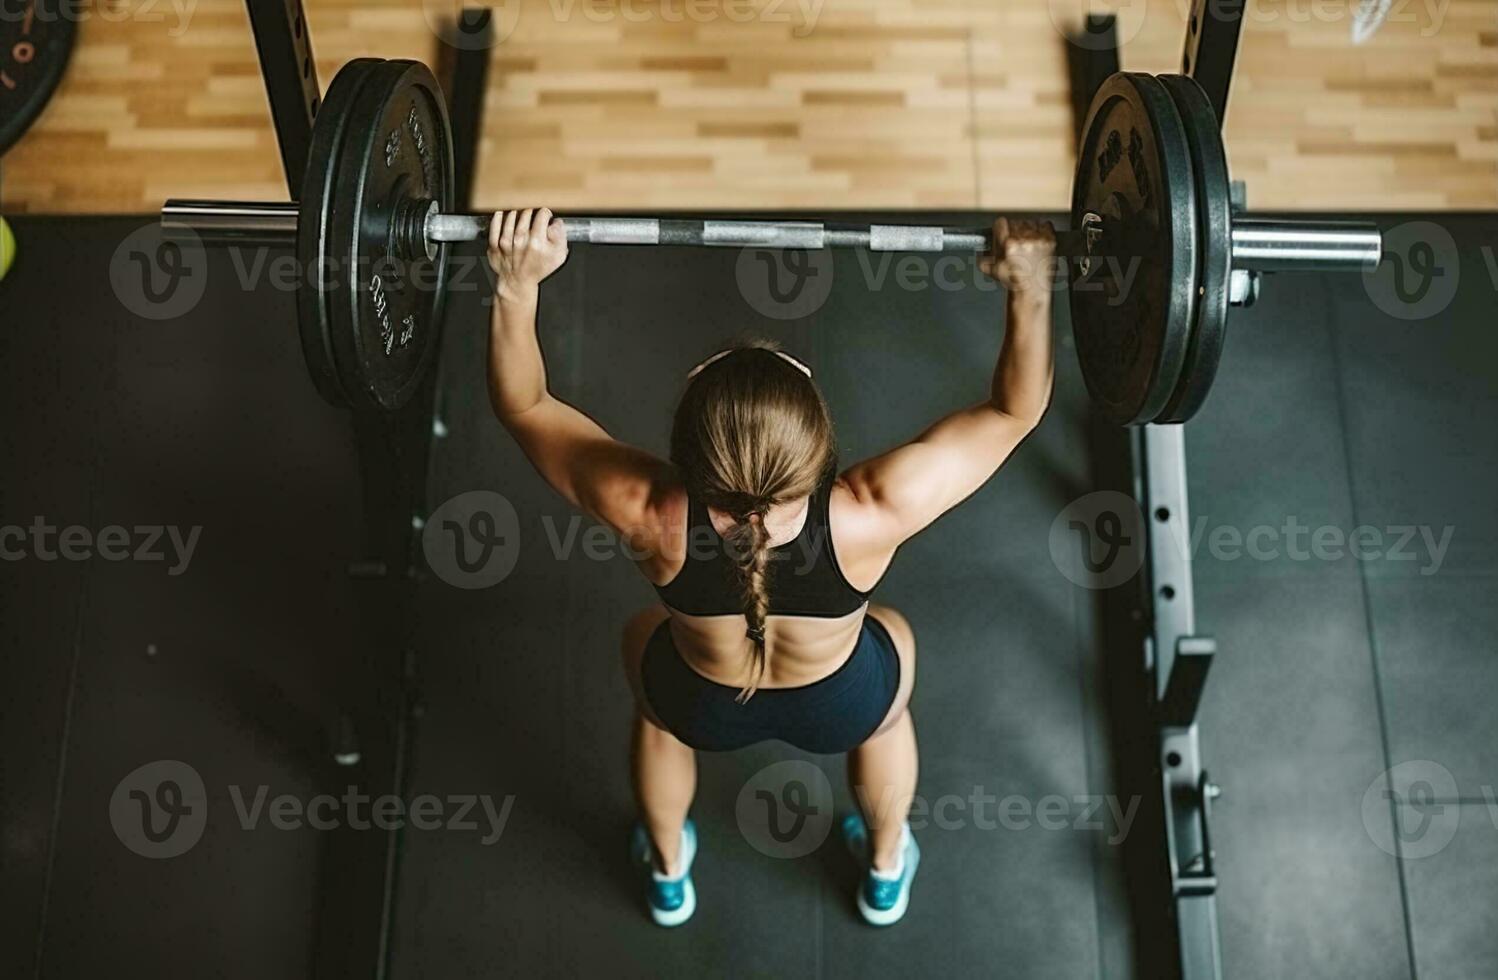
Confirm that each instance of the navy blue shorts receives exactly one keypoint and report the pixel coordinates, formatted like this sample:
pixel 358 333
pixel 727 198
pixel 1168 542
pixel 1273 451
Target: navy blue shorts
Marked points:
pixel 835 714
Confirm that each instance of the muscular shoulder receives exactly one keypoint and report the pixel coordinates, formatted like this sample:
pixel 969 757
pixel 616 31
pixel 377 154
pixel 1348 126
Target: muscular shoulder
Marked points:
pixel 859 524
pixel 860 531
pixel 668 502
pixel 664 534
pixel 891 481
pixel 868 499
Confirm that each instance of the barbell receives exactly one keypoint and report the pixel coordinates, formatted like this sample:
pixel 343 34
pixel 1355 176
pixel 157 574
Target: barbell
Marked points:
pixel 1256 243
pixel 1157 255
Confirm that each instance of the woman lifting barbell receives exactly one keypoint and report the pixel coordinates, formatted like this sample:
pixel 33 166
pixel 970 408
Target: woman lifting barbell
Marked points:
pixel 764 555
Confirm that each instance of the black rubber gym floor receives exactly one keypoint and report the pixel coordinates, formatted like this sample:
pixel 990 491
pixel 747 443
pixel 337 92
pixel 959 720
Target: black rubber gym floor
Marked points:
pixel 1328 411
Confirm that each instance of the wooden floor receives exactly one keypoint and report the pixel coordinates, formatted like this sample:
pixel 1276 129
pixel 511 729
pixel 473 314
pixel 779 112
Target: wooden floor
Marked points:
pixel 746 104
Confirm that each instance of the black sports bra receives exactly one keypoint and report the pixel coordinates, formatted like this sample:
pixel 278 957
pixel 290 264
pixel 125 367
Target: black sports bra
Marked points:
pixel 803 575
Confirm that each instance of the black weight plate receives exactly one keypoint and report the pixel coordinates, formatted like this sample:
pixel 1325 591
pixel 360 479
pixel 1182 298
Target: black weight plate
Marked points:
pixel 36 38
pixel 313 292
pixel 1215 217
pixel 1132 321
pixel 386 315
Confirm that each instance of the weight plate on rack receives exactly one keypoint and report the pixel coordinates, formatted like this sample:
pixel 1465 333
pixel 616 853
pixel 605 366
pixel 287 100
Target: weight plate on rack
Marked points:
pixel 1214 202
pixel 387 308
pixel 1132 319
pixel 314 319
pixel 36 38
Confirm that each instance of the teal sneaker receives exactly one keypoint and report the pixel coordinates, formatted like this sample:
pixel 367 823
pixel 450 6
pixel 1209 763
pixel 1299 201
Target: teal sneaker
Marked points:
pixel 883 896
pixel 672 900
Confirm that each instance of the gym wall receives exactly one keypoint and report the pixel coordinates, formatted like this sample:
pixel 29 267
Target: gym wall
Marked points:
pixel 900 103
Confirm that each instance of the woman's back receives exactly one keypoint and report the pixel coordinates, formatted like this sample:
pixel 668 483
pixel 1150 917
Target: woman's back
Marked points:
pixel 816 605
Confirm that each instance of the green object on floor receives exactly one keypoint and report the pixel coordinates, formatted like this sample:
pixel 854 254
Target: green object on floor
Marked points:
pixel 7 248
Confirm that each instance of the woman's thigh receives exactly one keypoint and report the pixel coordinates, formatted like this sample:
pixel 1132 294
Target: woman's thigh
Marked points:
pixel 637 633
pixel 899 630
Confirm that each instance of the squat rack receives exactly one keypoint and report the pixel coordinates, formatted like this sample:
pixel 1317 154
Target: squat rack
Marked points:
pixel 1175 658
pixel 1179 655
pixel 355 920
pixel 372 722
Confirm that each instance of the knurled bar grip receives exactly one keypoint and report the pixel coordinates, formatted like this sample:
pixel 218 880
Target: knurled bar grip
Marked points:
pixel 730 234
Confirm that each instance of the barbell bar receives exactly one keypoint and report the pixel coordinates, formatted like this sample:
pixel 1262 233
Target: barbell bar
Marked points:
pixel 1264 245
pixel 1258 244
